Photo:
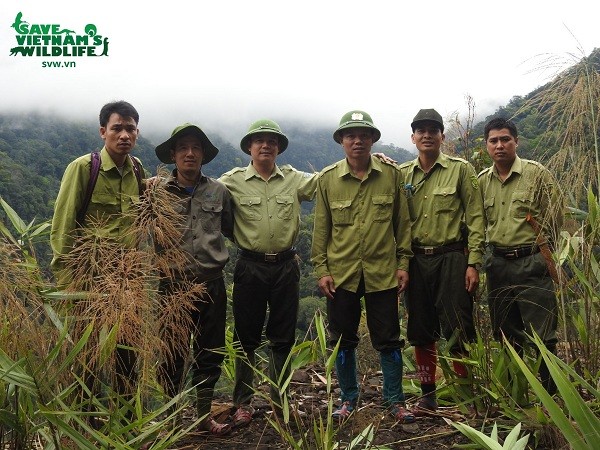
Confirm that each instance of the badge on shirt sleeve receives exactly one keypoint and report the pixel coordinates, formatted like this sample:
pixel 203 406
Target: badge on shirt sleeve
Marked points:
pixel 474 182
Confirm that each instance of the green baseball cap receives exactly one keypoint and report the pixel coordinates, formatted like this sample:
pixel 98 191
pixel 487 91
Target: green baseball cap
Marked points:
pixel 356 119
pixel 264 126
pixel 430 115
pixel 163 151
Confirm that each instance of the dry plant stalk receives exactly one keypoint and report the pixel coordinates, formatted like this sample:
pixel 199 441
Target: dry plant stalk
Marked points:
pixel 569 106
pixel 121 286
pixel 23 332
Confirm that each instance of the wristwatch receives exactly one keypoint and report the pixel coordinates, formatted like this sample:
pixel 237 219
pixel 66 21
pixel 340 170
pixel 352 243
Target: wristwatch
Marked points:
pixel 476 266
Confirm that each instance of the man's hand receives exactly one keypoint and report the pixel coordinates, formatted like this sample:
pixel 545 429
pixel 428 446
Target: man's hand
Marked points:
pixel 151 183
pixel 327 286
pixel 471 280
pixel 402 276
pixel 384 157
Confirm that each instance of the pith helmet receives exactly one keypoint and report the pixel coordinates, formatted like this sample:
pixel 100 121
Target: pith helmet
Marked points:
pixel 430 115
pixel 163 151
pixel 264 126
pixel 356 119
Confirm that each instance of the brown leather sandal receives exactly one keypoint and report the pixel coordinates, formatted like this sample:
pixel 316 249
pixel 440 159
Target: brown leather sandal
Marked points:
pixel 215 428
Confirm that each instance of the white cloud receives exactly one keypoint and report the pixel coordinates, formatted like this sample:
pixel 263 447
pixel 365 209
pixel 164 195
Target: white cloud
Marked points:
pixel 225 64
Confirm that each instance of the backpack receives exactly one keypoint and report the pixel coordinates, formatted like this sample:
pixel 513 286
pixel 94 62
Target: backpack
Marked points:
pixel 94 171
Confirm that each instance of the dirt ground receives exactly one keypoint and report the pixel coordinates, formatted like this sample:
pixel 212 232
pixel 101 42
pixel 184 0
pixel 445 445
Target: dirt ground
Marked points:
pixel 310 398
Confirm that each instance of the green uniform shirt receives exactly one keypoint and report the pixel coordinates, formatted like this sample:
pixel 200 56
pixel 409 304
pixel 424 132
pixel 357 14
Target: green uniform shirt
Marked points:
pixel 112 205
pixel 528 189
pixel 362 227
pixel 208 217
pixel 443 202
pixel 266 214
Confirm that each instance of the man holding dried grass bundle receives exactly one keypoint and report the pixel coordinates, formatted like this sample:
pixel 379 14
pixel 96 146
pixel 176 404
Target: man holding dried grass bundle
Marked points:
pixel 205 206
pixel 97 202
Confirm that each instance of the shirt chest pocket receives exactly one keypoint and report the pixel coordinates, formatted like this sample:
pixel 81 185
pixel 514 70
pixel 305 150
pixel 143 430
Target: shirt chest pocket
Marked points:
pixel 182 206
pixel 103 203
pixel 210 217
pixel 521 204
pixel 490 212
pixel 382 207
pixel 444 199
pixel 285 206
pixel 341 213
pixel 250 207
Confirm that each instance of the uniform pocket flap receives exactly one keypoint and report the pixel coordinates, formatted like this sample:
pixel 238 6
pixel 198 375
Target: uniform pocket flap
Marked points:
pixel 248 200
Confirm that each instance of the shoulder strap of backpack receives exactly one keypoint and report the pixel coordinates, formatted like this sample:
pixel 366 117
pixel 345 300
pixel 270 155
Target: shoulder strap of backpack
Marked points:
pixel 137 170
pixel 94 170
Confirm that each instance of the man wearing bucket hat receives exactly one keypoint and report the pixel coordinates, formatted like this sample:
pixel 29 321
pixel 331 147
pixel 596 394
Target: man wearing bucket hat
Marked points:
pixel 266 200
pixel 447 241
pixel 206 206
pixel 361 247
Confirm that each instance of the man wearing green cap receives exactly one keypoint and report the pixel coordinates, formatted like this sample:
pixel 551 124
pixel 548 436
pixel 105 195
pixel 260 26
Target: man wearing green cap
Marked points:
pixel 206 206
pixel 266 201
pixel 447 241
pixel 361 247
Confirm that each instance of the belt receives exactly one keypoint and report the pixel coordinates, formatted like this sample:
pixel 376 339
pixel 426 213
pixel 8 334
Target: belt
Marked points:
pixel 440 250
pixel 515 252
pixel 268 257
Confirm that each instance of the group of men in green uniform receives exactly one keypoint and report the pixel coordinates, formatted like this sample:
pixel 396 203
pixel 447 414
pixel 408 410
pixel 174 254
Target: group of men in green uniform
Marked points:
pixel 380 229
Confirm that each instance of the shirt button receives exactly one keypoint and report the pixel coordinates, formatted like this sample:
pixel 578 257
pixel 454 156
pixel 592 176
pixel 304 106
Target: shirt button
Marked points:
pixel 194 217
pixel 425 215
pixel 425 197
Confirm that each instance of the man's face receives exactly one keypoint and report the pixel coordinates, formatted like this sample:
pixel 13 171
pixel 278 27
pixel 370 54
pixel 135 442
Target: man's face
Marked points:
pixel 119 135
pixel 502 146
pixel 264 147
pixel 357 142
pixel 428 137
pixel 188 154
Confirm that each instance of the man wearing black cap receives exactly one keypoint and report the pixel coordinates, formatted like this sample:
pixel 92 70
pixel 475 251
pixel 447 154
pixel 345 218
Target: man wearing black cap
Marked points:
pixel 205 204
pixel 447 241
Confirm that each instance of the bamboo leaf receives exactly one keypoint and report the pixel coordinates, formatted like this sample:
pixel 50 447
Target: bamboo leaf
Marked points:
pixel 8 234
pixel 13 217
pixel 586 420
pixel 559 418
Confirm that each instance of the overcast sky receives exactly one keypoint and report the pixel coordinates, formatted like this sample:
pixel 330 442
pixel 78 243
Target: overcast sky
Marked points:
pixel 225 63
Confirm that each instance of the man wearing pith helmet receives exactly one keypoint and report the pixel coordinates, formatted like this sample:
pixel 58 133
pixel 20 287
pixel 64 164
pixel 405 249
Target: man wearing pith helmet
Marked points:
pixel 266 200
pixel 361 247
pixel 205 204
pixel 447 241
